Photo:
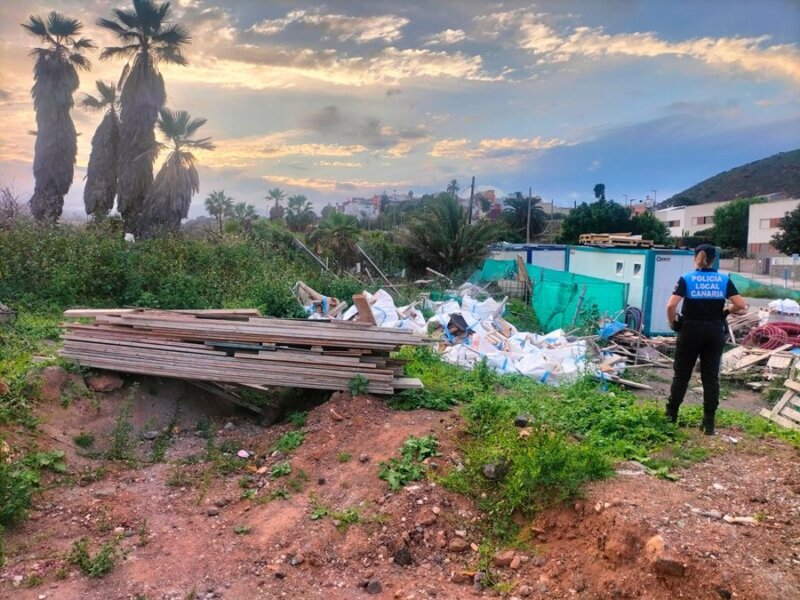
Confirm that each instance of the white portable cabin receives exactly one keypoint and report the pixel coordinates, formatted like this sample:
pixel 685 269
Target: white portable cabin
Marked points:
pixel 549 256
pixel 651 275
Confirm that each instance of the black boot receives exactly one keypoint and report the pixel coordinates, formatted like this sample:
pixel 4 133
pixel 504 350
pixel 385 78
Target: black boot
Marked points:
pixel 672 413
pixel 708 424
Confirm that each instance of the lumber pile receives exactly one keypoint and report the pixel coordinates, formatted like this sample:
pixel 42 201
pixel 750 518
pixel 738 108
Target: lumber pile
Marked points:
pixel 620 240
pixel 240 348
pixel 786 411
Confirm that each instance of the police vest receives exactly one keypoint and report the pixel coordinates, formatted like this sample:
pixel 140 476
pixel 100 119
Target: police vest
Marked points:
pixel 706 285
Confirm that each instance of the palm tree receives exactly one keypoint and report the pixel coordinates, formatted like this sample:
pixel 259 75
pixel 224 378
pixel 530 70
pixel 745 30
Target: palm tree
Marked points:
pixel 171 194
pixel 147 39
pixel 276 212
pixel 219 206
pixel 337 234
pixel 55 77
pixel 101 175
pixel 244 214
pixel 299 213
pixel 441 235
pixel 516 215
pixel 453 187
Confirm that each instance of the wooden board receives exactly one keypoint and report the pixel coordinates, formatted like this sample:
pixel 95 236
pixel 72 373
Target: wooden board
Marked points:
pixel 364 310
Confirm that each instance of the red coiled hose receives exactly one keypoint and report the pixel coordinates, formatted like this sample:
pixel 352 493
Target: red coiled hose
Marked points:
pixel 773 335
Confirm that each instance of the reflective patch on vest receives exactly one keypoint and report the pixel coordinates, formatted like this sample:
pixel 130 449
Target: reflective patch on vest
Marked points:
pixel 706 285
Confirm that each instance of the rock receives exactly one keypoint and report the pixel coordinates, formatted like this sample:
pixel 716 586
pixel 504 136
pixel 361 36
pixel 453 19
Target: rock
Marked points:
pixel 297 559
pixel 457 544
pixel 220 502
pixel 724 593
pixel 436 510
pixel 495 470
pixel 504 558
pixel 539 561
pixel 374 587
pixel 525 591
pixel 426 518
pixel 712 514
pixel 523 420
pixel 661 560
pixel 440 540
pixel 4 389
pixel 477 580
pixel 363 457
pixel 104 383
pixel 280 575
pixel 150 435
pixel 516 563
pixel 102 493
pixel 52 380
pixel 321 481
pixel 669 566
pixel 119 530
pixel 578 583
pixel 403 556
pixel 229 426
pixel 542 587
pixel 461 577
pixel 212 511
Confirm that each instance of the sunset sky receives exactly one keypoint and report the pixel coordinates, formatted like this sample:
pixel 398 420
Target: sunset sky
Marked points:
pixel 352 98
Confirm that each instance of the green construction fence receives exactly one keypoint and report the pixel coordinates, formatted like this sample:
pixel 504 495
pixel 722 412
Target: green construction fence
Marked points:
pixel 750 287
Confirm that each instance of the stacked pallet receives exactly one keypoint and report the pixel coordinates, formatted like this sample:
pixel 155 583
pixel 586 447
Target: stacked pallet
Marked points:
pixel 240 348
pixel 786 411
pixel 621 240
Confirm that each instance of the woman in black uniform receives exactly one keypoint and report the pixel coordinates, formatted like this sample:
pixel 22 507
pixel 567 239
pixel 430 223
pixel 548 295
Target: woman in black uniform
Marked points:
pixel 701 331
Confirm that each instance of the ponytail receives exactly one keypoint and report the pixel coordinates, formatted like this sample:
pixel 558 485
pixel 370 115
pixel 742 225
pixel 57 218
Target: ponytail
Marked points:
pixel 701 260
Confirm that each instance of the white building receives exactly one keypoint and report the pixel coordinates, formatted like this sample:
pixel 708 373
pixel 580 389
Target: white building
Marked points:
pixel 764 222
pixel 688 220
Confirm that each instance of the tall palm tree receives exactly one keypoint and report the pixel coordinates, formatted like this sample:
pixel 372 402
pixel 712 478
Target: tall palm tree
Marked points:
pixel 244 214
pixel 453 187
pixel 516 215
pixel 177 181
pixel 219 206
pixel 299 213
pixel 101 175
pixel 442 237
pixel 276 212
pixel 337 234
pixel 147 39
pixel 55 77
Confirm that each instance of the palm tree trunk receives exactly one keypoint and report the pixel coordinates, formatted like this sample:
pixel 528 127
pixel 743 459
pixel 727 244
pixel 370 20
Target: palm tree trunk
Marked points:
pixel 142 96
pixel 56 140
pixel 101 175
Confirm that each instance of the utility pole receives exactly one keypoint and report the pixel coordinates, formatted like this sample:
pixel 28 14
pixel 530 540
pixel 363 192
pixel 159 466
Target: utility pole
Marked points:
pixel 528 228
pixel 471 194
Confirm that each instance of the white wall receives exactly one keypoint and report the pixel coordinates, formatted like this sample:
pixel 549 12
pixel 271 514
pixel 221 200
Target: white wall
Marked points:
pixel 667 269
pixel 670 215
pixel 762 225
pixel 612 265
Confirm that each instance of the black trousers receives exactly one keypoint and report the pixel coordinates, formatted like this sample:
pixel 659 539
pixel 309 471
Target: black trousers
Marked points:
pixel 704 340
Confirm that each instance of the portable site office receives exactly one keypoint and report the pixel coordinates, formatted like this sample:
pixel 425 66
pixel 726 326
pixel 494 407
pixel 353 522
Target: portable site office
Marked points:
pixel 651 275
pixel 548 256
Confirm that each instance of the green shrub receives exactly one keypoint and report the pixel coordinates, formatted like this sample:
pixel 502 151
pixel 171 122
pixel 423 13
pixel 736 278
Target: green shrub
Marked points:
pixel 289 441
pixel 93 566
pixel 358 385
pixel 409 467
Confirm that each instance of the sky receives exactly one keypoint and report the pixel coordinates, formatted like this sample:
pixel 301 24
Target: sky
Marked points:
pixel 354 98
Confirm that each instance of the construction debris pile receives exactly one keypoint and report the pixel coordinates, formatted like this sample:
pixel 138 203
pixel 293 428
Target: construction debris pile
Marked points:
pixel 240 348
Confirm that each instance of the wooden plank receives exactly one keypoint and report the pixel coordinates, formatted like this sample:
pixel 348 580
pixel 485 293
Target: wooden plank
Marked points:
pixel 407 383
pixel 225 395
pixel 790 413
pixel 792 385
pixel 749 361
pixel 787 396
pixel 779 419
pixel 364 311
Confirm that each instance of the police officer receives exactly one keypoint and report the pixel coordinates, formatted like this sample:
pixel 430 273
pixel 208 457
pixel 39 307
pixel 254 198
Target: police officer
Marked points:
pixel 701 331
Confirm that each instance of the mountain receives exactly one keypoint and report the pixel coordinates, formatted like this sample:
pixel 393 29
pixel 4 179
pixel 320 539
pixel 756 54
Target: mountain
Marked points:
pixel 778 173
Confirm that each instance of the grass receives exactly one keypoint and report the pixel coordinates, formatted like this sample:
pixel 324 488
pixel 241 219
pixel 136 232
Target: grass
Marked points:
pixel 84 440
pixel 344 457
pixel 280 469
pixel 289 441
pixel 122 441
pixel 95 566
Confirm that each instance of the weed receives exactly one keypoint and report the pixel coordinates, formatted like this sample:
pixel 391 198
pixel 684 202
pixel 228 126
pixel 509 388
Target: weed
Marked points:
pixel 344 457
pixel 297 482
pixel 358 385
pixel 280 469
pixel 144 534
pixel 178 478
pixel 33 580
pixel 289 441
pixel 343 519
pixel 84 440
pixel 249 494
pixel 278 494
pixel 409 467
pixel 298 419
pixel 19 479
pixel 122 442
pixel 242 529
pixel 93 566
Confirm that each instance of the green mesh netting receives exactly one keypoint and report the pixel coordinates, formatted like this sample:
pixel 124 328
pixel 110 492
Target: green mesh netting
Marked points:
pixel 750 287
pixel 556 296
pixel 494 270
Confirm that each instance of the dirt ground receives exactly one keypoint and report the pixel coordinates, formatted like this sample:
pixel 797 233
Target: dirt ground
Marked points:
pixel 186 531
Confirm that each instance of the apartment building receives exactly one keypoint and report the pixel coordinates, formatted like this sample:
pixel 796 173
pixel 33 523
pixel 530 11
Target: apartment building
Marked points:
pixel 764 222
pixel 688 220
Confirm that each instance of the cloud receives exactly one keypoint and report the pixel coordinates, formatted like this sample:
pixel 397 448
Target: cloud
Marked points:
pixel 493 25
pixel 249 151
pixel 332 122
pixel 446 37
pixel 387 28
pixel 493 148
pixel 339 163
pixel 331 185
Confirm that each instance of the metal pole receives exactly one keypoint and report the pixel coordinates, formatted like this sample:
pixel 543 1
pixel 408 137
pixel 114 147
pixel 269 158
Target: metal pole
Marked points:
pixel 528 228
pixel 471 194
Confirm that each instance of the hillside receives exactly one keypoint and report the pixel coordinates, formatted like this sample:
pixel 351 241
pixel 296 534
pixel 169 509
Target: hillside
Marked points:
pixel 777 173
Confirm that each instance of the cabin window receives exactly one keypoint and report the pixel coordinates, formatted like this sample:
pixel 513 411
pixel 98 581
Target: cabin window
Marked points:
pixel 620 268
pixel 637 269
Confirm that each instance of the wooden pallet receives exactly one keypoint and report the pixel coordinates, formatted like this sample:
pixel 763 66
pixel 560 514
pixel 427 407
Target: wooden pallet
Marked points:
pixel 787 410
pixel 624 240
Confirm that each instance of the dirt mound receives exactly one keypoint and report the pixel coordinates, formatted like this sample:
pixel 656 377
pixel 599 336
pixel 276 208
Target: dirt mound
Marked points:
pixel 219 526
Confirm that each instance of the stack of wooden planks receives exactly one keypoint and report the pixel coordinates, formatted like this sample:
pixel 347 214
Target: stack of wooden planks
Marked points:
pixel 625 240
pixel 241 348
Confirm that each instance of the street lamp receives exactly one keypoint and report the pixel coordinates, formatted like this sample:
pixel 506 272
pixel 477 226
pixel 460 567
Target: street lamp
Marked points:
pixel 654 195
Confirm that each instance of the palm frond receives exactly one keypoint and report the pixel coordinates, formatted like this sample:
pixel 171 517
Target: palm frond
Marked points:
pixel 174 35
pixel 115 51
pixel 63 26
pixel 91 103
pixel 36 26
pixel 193 125
pixel 80 61
pixel 108 92
pixel 129 18
pixel 170 55
pixel 202 144
pixel 118 29
pixel 84 44
pixel 149 15
pixel 168 123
